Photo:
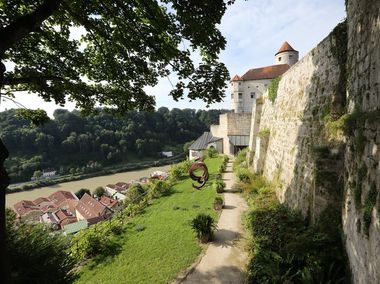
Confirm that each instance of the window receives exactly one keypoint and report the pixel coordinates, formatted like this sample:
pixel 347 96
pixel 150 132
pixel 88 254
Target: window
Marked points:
pixel 279 59
pixel 240 95
pixel 253 95
pixel 266 85
pixel 232 96
pixel 290 55
pixel 239 83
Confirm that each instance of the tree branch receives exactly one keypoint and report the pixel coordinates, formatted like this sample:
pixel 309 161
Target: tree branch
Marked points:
pixel 26 24
pixel 28 80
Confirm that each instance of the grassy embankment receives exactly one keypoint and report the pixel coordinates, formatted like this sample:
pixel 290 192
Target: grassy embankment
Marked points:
pixel 283 246
pixel 166 245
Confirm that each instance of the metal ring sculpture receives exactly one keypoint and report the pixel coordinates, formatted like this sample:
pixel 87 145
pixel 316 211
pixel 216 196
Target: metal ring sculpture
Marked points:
pixel 199 165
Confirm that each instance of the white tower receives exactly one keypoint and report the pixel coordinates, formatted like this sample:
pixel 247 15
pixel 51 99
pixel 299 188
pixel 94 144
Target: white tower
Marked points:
pixel 237 94
pixel 286 55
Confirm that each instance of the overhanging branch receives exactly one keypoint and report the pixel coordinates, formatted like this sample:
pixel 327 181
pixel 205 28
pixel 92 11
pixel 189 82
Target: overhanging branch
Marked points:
pixel 26 24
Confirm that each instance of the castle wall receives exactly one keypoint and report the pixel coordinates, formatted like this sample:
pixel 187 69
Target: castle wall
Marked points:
pixel 295 124
pixel 316 164
pixel 361 212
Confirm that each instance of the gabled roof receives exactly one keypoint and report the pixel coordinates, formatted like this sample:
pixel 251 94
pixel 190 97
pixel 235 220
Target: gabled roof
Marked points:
pixel 202 141
pixel 236 78
pixel 268 72
pixel 89 208
pixel 109 202
pixel 60 196
pixel 285 47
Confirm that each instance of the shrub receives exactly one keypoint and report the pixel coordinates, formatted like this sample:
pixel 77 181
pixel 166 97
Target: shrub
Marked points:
pixel 35 255
pixel 244 175
pixel 272 89
pixel 222 168
pixel 82 192
pixel 175 172
pixel 212 152
pixel 204 226
pixel 219 185
pixel 218 203
pixel 135 193
pixel 159 188
pixel 99 191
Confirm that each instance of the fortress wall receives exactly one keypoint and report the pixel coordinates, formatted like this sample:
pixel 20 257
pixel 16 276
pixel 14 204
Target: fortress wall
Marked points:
pixel 296 124
pixel 361 215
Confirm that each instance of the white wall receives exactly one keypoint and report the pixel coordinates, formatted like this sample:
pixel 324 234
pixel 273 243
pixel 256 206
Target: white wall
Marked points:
pixel 287 57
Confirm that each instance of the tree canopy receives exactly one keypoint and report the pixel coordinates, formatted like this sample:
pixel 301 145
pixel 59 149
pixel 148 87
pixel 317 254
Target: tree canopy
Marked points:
pixel 123 47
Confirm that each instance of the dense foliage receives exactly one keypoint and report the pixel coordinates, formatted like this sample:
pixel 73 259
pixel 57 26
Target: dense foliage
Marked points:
pixel 107 51
pixel 35 256
pixel 73 144
pixel 284 247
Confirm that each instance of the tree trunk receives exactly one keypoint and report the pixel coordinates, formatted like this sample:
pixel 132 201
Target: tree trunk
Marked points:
pixel 4 182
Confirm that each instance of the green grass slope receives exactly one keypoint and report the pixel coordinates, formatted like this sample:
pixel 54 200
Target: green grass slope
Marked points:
pixel 166 246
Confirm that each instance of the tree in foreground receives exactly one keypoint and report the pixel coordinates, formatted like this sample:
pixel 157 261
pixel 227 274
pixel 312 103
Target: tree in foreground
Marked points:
pixel 82 192
pixel 99 191
pixel 124 47
pixel 35 255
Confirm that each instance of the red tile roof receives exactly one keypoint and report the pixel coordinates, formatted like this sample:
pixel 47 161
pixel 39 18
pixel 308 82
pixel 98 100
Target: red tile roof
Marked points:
pixel 236 78
pixel 109 202
pixel 285 47
pixel 268 72
pixel 24 207
pixel 89 208
pixel 60 196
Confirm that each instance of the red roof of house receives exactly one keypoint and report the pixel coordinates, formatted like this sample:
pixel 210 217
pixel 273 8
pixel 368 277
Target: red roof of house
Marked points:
pixel 39 200
pixel 268 72
pixel 109 202
pixel 89 208
pixel 25 206
pixel 60 196
pixel 236 78
pixel 285 47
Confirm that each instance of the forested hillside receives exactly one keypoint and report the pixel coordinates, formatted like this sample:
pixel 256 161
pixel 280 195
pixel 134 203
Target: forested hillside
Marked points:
pixel 73 143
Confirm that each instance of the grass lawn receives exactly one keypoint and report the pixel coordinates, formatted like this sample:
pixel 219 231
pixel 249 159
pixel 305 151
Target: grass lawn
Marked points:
pixel 166 246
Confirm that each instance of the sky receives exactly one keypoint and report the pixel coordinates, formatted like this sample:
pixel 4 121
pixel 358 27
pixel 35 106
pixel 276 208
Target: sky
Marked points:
pixel 254 30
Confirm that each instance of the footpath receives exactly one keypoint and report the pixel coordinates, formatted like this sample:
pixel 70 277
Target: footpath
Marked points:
pixel 225 259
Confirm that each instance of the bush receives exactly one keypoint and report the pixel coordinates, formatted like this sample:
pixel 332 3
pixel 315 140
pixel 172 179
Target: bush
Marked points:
pixel 82 192
pixel 35 255
pixel 244 175
pixel 159 188
pixel 99 191
pixel 212 152
pixel 285 249
pixel 273 88
pixel 218 203
pixel 204 226
pixel 219 185
pixel 222 168
pixel 135 193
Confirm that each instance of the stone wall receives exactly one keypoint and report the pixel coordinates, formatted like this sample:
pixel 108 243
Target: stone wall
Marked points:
pixel 295 122
pixel 362 158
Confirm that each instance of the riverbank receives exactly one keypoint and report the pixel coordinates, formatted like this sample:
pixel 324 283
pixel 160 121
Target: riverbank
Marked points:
pixel 105 171
pixel 90 183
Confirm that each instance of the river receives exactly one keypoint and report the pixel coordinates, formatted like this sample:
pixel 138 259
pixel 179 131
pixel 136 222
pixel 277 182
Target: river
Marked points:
pixel 90 183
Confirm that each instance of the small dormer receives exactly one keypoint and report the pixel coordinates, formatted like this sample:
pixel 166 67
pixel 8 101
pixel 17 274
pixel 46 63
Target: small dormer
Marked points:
pixel 286 55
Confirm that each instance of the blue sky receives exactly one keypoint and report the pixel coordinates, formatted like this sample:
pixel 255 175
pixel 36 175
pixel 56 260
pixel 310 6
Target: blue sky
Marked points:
pixel 255 30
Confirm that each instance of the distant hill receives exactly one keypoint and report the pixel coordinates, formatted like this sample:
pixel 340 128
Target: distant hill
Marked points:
pixel 73 143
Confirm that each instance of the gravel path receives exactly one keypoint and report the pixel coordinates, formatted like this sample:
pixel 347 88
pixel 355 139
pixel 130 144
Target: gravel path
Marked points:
pixel 225 259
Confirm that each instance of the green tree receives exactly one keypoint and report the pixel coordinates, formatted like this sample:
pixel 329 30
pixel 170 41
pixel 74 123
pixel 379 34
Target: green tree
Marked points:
pixel 127 45
pixel 99 191
pixel 37 174
pixel 82 192
pixel 36 256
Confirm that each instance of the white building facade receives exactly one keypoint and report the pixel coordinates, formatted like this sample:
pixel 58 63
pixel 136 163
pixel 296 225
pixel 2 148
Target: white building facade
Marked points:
pixel 235 127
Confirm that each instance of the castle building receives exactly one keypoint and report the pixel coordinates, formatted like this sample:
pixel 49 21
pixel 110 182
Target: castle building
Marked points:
pixel 233 130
